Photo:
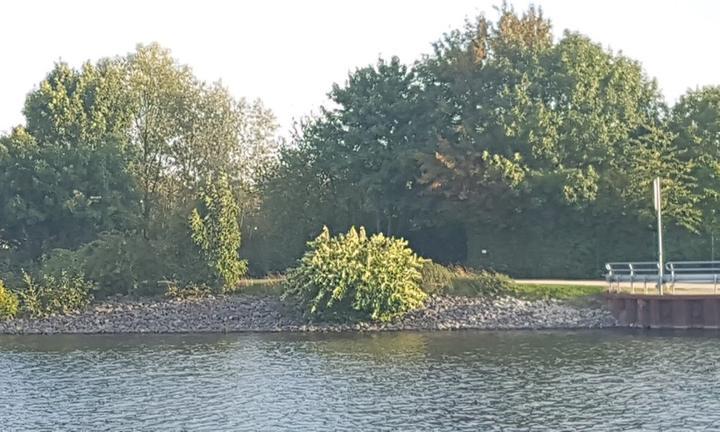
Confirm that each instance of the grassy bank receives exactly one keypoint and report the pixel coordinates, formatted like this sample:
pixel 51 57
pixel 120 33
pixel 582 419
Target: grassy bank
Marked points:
pixel 272 286
pixel 556 291
pixel 466 285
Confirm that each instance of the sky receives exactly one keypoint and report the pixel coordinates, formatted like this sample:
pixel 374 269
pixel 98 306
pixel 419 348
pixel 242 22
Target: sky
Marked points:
pixel 289 53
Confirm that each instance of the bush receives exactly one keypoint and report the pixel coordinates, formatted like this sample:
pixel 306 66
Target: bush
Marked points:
pixel 436 278
pixel 8 302
pixel 62 260
pixel 356 276
pixel 120 264
pixel 130 264
pixel 55 294
pixel 482 283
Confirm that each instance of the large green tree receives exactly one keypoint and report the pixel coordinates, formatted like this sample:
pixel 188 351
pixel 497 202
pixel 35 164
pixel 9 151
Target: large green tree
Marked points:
pixel 60 194
pixel 183 130
pixel 695 123
pixel 357 158
pixel 122 146
pixel 520 115
pixel 529 142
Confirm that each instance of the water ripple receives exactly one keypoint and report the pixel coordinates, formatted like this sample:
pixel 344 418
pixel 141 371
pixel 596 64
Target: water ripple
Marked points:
pixel 463 381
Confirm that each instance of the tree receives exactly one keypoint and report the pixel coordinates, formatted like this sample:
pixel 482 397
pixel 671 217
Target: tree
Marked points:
pixel 216 232
pixel 520 114
pixel 122 146
pixel 522 139
pixel 377 129
pixel 183 130
pixel 61 194
pixel 64 177
pixel 695 121
pixel 85 105
pixel 357 159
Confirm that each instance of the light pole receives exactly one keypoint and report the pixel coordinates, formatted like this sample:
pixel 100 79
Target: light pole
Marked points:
pixel 658 208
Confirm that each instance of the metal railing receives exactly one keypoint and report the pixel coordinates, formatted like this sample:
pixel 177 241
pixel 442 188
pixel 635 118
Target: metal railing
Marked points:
pixel 693 272
pixel 649 271
pixel 641 271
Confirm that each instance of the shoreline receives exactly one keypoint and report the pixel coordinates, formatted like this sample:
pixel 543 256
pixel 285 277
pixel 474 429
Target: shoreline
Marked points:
pixel 267 314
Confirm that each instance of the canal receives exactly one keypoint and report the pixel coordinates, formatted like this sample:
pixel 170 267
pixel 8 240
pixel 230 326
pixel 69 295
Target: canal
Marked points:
pixel 439 381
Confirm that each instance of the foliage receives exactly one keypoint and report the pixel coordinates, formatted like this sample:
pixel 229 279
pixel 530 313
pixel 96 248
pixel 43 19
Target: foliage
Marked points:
pixel 183 130
pixel 358 160
pixel 458 281
pixel 111 158
pixel 375 277
pixel 507 147
pixel 54 294
pixel 541 148
pixel 440 279
pixel 122 264
pixel 482 283
pixel 215 230
pixel 8 302
pixel 130 264
pixel 532 123
pixel 57 261
pixel 436 278
pixel 61 194
pixel 696 130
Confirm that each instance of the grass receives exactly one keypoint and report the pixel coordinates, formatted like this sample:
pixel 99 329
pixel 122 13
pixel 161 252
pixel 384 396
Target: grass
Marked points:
pixel 458 283
pixel 272 286
pixel 479 286
pixel 560 292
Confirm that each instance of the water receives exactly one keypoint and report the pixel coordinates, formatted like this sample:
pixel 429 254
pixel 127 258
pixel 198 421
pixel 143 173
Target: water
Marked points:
pixel 474 381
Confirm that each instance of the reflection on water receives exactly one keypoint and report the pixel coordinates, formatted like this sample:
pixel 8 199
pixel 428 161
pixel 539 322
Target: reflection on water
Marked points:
pixel 584 380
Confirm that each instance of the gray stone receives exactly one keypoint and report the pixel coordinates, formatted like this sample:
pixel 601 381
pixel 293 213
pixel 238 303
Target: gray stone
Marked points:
pixel 246 313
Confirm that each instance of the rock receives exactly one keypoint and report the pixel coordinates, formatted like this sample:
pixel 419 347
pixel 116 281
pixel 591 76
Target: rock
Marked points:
pixel 247 313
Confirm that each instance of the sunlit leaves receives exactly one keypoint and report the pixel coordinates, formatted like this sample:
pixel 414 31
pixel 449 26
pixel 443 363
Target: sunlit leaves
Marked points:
pixel 354 274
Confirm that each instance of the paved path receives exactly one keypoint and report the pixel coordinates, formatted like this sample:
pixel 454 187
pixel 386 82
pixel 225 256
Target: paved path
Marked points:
pixel 585 282
pixel 637 287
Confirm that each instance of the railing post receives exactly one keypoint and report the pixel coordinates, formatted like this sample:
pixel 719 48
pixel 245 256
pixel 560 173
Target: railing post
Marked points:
pixel 672 276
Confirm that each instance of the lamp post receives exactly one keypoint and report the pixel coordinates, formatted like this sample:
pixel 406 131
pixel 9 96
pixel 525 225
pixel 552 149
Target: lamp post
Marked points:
pixel 658 208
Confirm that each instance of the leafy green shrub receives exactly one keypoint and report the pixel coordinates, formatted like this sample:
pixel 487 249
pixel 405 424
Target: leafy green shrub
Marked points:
pixel 482 283
pixel 215 230
pixel 62 260
pixel 8 302
pixel 353 275
pixel 122 263
pixel 436 278
pixel 55 294
pixel 130 264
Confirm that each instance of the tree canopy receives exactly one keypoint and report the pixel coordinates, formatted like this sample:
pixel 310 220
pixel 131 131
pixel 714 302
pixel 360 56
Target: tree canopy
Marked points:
pixel 125 146
pixel 503 138
pixel 506 147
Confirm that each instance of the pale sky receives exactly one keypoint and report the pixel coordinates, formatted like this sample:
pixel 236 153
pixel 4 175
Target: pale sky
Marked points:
pixel 288 53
